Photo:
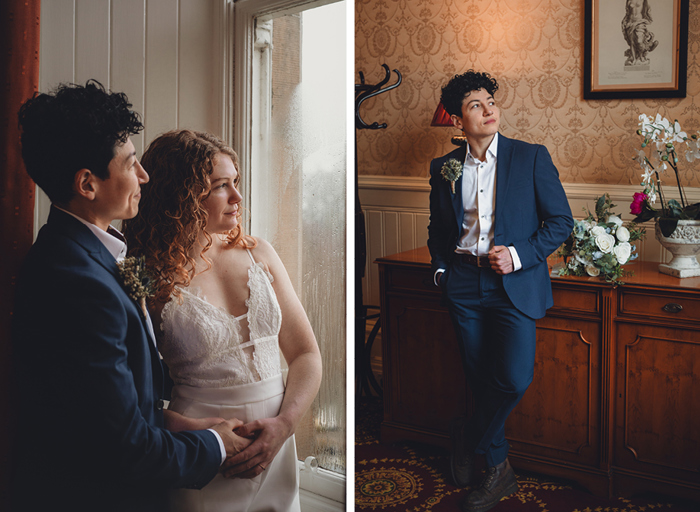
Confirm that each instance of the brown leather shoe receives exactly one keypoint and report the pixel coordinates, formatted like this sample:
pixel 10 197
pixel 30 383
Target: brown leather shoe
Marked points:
pixel 461 461
pixel 498 483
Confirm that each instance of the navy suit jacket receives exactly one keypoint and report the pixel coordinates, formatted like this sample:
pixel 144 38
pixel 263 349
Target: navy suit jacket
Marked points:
pixel 90 387
pixel 531 213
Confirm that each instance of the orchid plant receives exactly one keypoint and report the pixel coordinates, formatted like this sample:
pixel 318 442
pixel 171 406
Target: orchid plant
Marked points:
pixel 659 138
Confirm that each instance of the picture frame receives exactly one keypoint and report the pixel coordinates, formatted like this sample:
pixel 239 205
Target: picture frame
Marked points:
pixel 635 49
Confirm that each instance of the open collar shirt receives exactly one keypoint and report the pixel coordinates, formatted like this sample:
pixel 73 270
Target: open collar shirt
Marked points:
pixel 479 206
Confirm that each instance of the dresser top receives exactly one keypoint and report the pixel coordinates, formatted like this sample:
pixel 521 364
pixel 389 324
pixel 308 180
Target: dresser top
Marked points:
pixel 646 273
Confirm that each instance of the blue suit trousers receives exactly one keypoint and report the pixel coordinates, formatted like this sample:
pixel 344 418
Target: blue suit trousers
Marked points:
pixel 497 344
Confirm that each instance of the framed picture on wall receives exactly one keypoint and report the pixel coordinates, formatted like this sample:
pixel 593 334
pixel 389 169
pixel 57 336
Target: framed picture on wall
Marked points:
pixel 635 49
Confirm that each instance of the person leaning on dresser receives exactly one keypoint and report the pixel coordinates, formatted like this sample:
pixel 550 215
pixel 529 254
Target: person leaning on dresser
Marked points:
pixel 497 211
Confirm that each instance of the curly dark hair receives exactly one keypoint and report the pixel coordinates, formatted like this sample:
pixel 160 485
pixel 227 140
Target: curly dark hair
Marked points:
pixel 459 86
pixel 171 214
pixel 74 127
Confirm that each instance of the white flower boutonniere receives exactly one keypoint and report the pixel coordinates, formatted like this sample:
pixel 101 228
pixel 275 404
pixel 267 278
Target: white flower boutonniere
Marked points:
pixel 451 171
pixel 136 280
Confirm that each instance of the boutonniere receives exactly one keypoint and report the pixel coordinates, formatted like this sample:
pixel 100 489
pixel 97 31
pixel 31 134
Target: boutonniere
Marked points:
pixel 451 171
pixel 136 280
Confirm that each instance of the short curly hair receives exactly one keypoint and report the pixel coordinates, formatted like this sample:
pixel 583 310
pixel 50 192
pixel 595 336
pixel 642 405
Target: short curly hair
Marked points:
pixel 171 214
pixel 74 127
pixel 459 86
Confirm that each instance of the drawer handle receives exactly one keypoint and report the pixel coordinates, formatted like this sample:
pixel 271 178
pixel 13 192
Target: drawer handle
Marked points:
pixel 672 307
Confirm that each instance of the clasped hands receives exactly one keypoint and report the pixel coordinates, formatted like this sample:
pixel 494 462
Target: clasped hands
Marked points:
pixel 250 447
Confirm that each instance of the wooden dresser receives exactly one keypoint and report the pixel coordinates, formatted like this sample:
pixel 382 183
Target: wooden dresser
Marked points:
pixel 615 404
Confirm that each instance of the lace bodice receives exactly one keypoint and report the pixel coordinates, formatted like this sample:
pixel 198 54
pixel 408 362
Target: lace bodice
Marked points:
pixel 203 344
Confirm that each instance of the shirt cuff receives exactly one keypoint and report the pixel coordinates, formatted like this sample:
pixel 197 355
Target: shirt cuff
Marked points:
pixel 438 271
pixel 517 264
pixel 221 444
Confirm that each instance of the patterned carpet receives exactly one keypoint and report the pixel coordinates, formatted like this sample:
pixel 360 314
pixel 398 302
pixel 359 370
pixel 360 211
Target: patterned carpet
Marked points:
pixel 413 477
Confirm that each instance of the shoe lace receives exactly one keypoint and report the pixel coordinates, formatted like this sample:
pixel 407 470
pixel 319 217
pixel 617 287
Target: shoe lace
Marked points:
pixel 489 478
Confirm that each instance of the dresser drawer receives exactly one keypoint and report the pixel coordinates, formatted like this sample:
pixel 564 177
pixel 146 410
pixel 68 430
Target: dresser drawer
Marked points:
pixel 666 306
pixel 574 299
pixel 411 280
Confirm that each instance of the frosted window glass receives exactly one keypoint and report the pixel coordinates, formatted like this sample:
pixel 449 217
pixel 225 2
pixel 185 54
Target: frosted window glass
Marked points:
pixel 298 194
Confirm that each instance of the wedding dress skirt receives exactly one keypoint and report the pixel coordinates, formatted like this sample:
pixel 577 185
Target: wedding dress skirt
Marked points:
pixel 276 488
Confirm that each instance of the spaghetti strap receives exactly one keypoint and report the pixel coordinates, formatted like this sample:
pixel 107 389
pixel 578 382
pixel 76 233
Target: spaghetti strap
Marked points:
pixel 251 255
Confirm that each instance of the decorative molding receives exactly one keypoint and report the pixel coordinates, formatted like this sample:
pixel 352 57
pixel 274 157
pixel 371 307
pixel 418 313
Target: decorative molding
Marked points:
pixel 574 191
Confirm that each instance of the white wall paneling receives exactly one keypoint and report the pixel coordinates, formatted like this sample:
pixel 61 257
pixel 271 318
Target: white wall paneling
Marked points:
pixel 166 55
pixel 161 80
pixel 397 214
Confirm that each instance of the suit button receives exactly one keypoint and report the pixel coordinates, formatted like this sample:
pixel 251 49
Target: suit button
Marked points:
pixel 159 405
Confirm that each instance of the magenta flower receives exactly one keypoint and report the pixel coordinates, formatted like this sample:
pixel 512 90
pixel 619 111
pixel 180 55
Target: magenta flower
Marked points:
pixel 637 202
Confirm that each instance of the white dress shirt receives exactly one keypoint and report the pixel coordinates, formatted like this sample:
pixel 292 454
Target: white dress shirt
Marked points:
pixel 115 243
pixel 479 204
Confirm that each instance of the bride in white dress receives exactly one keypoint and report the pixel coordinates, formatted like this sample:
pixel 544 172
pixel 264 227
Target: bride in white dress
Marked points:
pixel 224 307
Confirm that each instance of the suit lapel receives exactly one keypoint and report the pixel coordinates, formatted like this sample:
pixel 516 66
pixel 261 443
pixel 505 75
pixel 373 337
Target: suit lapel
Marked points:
pixel 82 235
pixel 503 171
pixel 457 196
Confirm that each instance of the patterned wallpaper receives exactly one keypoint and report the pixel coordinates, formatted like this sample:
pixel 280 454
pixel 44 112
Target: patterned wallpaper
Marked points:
pixel 535 50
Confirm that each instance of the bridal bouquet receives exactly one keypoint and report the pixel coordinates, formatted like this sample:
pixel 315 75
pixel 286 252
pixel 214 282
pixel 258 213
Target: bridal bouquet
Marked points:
pixel 659 137
pixel 600 244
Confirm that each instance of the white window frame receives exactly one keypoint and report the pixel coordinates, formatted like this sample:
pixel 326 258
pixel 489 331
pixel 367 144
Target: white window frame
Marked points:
pixel 320 490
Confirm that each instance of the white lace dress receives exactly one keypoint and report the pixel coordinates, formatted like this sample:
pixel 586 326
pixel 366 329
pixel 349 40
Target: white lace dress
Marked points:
pixel 218 373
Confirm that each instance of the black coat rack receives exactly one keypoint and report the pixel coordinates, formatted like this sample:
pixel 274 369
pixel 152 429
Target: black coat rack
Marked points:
pixel 364 376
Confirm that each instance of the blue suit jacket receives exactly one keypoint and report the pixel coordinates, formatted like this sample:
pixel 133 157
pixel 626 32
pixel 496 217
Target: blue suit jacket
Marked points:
pixel 90 387
pixel 531 213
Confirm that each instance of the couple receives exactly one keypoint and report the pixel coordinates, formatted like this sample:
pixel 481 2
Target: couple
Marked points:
pixel 93 433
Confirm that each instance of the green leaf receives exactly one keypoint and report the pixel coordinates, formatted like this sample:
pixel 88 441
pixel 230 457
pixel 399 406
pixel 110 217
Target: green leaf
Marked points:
pixel 675 208
pixel 600 206
pixel 693 211
pixel 667 225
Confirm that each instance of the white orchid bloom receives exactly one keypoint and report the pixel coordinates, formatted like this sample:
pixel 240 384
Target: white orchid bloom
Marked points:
pixel 664 123
pixel 644 121
pixel 651 196
pixel 679 135
pixel 655 158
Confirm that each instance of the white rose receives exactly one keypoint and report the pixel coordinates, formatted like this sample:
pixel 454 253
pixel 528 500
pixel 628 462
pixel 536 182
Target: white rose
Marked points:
pixel 614 219
pixel 622 252
pixel 592 270
pixel 597 231
pixel 605 242
pixel 622 234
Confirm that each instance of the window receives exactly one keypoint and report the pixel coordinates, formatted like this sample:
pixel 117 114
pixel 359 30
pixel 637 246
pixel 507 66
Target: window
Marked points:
pixel 291 90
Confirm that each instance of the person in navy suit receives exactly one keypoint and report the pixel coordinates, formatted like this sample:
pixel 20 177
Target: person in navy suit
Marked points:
pixel 497 211
pixel 90 384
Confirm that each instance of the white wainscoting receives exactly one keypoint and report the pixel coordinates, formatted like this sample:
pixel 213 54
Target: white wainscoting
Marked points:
pixel 397 213
pixel 168 56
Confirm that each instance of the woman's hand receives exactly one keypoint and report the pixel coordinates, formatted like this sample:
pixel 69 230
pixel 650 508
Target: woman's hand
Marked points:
pixel 268 437
pixel 176 422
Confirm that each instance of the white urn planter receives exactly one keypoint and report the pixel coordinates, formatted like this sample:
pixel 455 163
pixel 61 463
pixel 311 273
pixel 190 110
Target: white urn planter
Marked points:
pixel 684 245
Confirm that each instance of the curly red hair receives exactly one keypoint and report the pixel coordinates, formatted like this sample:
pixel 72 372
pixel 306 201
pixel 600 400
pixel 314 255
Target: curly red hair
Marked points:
pixel 171 214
